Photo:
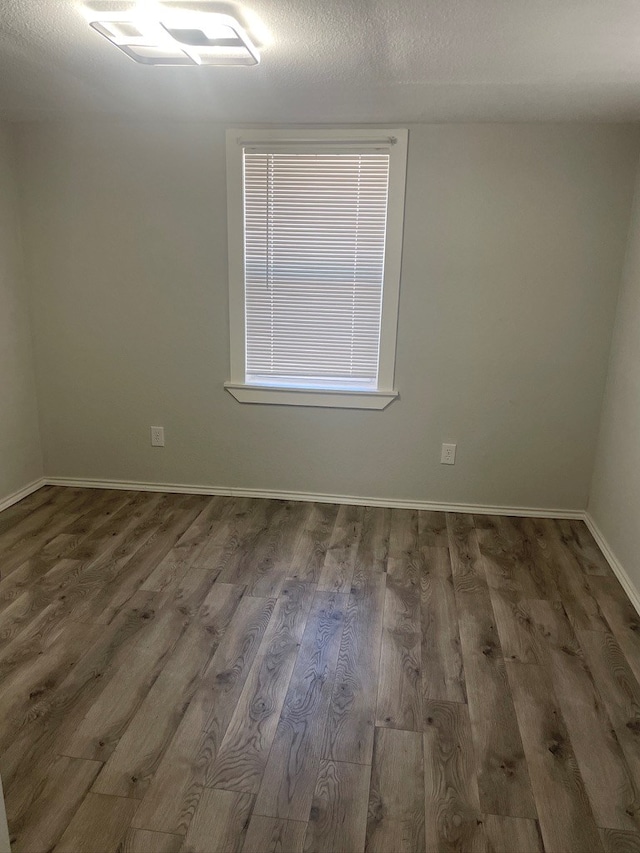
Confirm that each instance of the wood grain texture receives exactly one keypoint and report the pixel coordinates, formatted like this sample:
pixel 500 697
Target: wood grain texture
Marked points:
pixel 262 549
pixel 47 709
pixel 432 529
pixel 576 536
pixel 310 548
pixel 519 636
pixel 441 656
pixel 143 841
pixel 110 714
pixel 503 777
pixel 44 720
pixel 619 841
pixel 19 511
pixel 51 806
pixel 399 682
pixel 619 690
pixel 373 548
pixel 32 534
pixel 100 823
pixel 292 767
pixel 340 560
pixel 102 518
pixel 130 769
pixel 507 834
pixel 338 816
pixel 219 823
pixel 184 554
pixel 572 581
pixel 125 579
pixel 622 619
pixel 70 585
pixel 514 560
pixel 176 787
pixel 34 668
pixel 566 819
pixel 274 835
pixel 271 558
pixel 169 670
pixel 452 807
pixel 609 784
pixel 65 574
pixel 351 716
pixel 395 821
pixel 243 753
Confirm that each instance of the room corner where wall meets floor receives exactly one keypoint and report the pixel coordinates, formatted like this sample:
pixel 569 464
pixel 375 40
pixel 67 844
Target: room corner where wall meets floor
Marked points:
pixel 614 503
pixel 20 450
pixel 512 343
pixel 351 500
pixel 319 426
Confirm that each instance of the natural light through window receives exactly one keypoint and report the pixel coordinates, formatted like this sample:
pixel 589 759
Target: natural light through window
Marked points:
pixel 315 226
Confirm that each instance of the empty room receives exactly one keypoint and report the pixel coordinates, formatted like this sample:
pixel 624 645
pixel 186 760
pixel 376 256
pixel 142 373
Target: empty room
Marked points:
pixel 319 426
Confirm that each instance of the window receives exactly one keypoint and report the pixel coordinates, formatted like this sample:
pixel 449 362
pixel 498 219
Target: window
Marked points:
pixel 315 238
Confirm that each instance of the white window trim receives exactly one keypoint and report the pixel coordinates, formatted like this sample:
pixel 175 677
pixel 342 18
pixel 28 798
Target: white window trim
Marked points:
pixel 395 141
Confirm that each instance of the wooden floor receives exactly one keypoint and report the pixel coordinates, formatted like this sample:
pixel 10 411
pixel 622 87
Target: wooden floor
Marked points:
pixel 192 673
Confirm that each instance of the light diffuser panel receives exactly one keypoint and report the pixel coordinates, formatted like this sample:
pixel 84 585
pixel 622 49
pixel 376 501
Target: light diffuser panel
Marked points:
pixel 211 39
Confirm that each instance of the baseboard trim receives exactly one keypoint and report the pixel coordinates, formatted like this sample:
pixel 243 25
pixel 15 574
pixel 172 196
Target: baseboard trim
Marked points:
pixel 357 500
pixel 616 566
pixel 476 509
pixel 5 503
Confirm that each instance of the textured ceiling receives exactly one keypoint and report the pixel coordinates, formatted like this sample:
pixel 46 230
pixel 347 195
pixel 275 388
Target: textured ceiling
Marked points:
pixel 343 61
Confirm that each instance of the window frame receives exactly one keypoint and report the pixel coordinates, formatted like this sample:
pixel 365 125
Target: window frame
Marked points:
pixel 394 140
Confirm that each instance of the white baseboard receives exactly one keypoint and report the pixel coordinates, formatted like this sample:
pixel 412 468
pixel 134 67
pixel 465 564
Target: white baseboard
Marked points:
pixel 476 509
pixel 5 503
pixel 357 500
pixel 616 566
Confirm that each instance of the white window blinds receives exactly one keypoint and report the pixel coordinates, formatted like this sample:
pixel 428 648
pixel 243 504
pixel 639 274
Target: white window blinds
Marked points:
pixel 314 253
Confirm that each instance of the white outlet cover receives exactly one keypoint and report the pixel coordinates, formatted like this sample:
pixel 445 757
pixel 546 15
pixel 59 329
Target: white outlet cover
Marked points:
pixel 448 455
pixel 157 436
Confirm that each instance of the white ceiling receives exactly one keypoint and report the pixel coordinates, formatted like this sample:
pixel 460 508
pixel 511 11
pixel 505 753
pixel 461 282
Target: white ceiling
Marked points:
pixel 343 61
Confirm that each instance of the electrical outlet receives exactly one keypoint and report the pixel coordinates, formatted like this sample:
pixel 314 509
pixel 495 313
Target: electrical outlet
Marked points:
pixel 157 436
pixel 448 455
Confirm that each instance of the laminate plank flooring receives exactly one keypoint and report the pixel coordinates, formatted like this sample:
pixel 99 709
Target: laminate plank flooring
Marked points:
pixel 219 823
pixel 441 664
pixel 180 778
pixel 274 835
pixel 99 817
pixel 242 757
pixel 566 819
pixel 396 796
pixel 190 673
pixel 506 834
pixel 291 771
pixel 399 682
pixel 144 841
pixel 132 766
pixel 338 816
pixel 352 711
pixel 46 815
pixel 453 820
pixel 503 775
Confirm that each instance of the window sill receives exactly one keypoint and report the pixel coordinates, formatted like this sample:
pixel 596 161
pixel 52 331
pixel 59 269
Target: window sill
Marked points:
pixel 311 397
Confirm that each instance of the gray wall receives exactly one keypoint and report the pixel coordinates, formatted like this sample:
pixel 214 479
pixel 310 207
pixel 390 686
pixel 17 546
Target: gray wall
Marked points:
pixel 615 497
pixel 514 242
pixel 20 455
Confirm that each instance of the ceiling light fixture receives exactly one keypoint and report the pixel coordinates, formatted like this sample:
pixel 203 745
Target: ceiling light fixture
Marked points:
pixel 200 39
